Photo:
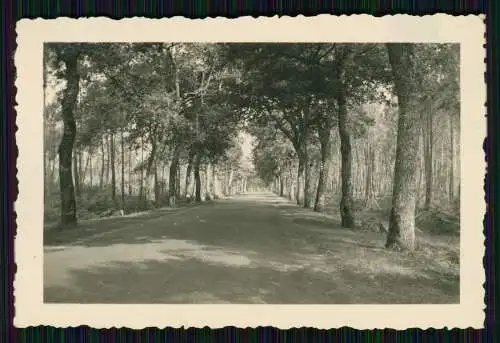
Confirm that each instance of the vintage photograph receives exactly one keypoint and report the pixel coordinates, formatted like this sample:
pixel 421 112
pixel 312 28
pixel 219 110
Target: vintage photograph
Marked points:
pixel 267 173
pixel 290 172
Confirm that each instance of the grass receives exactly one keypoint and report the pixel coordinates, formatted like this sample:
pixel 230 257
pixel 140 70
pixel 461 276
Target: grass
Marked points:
pixel 95 203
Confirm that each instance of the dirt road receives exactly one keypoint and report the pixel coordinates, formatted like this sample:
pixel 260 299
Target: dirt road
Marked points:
pixel 254 248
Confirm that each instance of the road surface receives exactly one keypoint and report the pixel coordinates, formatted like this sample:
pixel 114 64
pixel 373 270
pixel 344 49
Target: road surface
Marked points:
pixel 253 248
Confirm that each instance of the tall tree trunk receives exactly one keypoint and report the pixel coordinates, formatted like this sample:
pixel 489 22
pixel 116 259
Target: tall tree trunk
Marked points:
pixel 108 160
pixel 290 186
pixel 213 183
pixel 368 175
pixel 113 170
pixel 300 177
pixel 81 173
pixel 285 184
pixel 421 171
pixel 172 176
pixel 197 179
pixel 46 159
pixel 428 152
pixel 324 169
pixel 346 202
pixel 451 190
pixel 370 171
pixel 307 164
pixel 206 193
pixel 76 174
pixel 156 185
pixel 443 172
pixel 151 165
pixel 141 184
pixel 122 140
pixel 91 172
pixel 282 185
pixel 230 181
pixel 208 178
pixel 307 178
pixel 87 163
pixel 189 172
pixel 129 179
pixel 402 220
pixel 103 152
pixel 68 104
pixel 52 174
pixel 178 181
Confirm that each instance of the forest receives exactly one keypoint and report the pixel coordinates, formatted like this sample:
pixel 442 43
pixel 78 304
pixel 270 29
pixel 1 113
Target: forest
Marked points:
pixel 368 131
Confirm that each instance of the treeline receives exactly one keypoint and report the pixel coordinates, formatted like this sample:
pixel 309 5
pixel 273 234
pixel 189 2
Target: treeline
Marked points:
pixel 356 121
pixel 136 126
pixel 373 157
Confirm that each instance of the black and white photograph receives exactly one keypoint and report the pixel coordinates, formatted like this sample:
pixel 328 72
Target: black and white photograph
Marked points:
pixel 257 173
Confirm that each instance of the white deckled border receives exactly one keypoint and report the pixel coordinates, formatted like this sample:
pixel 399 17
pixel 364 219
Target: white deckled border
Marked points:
pixel 467 30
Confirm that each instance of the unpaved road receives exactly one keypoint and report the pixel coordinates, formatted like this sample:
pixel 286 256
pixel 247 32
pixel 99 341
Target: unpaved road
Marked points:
pixel 254 248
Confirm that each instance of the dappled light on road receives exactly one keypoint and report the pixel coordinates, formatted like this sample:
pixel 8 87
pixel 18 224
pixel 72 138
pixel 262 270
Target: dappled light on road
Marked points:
pixel 242 249
pixel 60 262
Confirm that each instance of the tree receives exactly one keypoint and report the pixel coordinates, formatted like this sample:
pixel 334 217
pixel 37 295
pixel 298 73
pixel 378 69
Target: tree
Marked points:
pixel 404 65
pixel 272 156
pixel 180 108
pixel 324 168
pixel 277 88
pixel 68 55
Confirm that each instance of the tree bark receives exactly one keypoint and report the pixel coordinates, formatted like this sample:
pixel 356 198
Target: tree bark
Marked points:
pixel 402 219
pixel 108 160
pixel 122 140
pixel 300 174
pixel 230 181
pixel 151 167
pixel 346 202
pixel 451 190
pixel 91 168
pixel 421 171
pixel 53 174
pixel 103 152
pixel 76 173
pixel 368 175
pixel 290 186
pixel 428 152
pixel 113 169
pixel 68 104
pixel 172 176
pixel 46 158
pixel 206 193
pixel 213 183
pixel 285 184
pixel 370 200
pixel 324 169
pixel 189 171
pixel 197 178
pixel 141 184
pixel 307 179
pixel 156 184
pixel 129 179
pixel 81 173
pixel 178 181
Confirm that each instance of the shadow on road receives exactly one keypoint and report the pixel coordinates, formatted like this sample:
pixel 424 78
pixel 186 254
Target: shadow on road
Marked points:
pixel 254 248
